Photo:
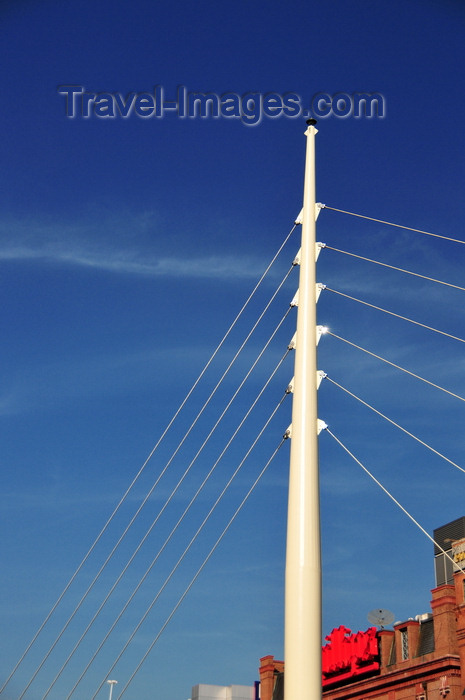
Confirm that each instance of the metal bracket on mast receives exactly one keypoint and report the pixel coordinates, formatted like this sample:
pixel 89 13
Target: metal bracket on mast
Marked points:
pixel 295 300
pixel 320 425
pixel 300 217
pixel 320 375
pixel 318 289
pixel 318 247
pixel 320 330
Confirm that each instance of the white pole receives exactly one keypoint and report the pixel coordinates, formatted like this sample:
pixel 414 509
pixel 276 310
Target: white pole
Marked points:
pixel 112 683
pixel 302 633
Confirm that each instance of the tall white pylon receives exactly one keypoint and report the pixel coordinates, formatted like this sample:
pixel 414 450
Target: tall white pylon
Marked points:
pixel 302 629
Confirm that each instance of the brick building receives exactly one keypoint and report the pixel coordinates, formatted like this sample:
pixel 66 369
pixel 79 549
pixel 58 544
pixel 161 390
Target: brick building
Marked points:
pixel 419 659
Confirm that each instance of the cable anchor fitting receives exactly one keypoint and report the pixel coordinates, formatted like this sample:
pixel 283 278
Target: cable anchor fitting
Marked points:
pixel 320 330
pixel 320 375
pixel 319 289
pixel 300 217
pixel 318 248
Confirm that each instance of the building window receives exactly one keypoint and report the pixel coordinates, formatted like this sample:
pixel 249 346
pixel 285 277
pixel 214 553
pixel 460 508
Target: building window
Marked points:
pixel 404 643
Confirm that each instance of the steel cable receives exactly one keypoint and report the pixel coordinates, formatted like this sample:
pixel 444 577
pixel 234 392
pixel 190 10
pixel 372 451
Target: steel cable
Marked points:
pixel 391 313
pixel 393 364
pixel 389 420
pixel 44 659
pixel 398 269
pixel 194 498
pixel 389 223
pixel 383 488
pixel 168 500
pixel 198 571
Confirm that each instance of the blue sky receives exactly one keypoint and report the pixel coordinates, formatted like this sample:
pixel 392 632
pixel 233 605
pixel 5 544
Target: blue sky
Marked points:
pixel 127 246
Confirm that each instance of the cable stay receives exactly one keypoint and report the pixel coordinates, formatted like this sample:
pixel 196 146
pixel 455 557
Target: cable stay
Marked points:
pixel 389 420
pixel 199 570
pixel 393 364
pixel 192 501
pixel 97 576
pixel 390 223
pixel 383 488
pixel 146 498
pixel 398 269
pixel 142 468
pixel 391 313
pixel 176 488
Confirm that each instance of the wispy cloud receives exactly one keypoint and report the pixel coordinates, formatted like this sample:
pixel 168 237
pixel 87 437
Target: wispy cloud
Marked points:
pixel 107 246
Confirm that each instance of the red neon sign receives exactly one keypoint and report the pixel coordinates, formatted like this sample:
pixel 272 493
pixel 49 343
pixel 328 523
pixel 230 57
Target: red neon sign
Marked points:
pixel 349 655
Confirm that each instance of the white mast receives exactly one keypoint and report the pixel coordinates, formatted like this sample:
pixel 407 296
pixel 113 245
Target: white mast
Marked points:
pixel 302 635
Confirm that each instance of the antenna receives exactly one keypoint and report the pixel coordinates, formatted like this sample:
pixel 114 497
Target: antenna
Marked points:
pixel 380 617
